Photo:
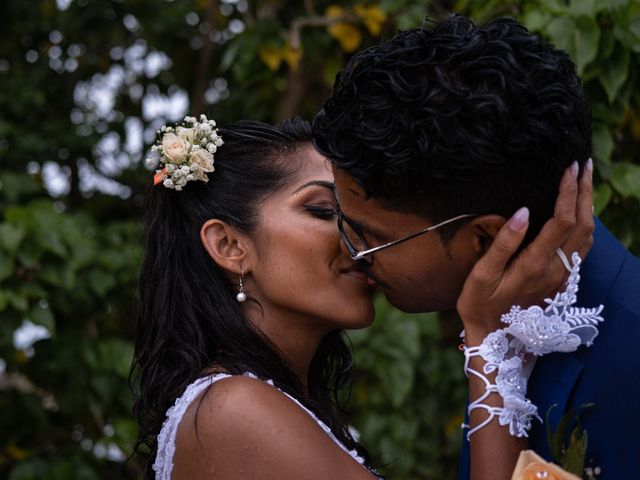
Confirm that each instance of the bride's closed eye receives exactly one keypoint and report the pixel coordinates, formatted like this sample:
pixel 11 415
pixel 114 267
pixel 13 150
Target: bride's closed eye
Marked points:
pixel 319 211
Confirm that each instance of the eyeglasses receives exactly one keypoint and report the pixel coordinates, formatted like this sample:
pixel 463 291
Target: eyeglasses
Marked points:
pixel 358 247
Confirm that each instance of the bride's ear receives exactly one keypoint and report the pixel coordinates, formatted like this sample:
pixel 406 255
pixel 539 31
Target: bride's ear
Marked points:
pixel 226 246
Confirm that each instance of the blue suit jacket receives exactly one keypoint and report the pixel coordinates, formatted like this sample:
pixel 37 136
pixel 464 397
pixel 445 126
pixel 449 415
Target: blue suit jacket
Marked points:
pixel 606 374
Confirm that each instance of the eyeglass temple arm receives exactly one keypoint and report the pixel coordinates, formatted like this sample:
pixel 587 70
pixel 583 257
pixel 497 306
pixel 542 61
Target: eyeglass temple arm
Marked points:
pixel 370 251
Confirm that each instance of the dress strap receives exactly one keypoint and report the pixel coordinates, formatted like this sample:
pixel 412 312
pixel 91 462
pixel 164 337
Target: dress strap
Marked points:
pixel 353 453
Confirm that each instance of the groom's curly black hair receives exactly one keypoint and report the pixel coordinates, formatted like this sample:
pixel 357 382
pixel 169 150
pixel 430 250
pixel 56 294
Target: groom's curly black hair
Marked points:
pixel 457 119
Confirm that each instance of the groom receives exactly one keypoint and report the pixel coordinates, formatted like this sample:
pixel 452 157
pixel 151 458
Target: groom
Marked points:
pixel 461 119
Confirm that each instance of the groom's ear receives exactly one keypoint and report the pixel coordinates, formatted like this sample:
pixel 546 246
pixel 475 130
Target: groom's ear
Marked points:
pixel 227 247
pixel 484 229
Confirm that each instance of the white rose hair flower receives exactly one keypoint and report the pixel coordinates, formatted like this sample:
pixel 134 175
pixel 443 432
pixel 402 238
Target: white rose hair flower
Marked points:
pixel 185 153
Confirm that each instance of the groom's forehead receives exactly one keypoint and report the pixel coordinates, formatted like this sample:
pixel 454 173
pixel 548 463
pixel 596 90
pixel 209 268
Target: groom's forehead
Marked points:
pixel 367 212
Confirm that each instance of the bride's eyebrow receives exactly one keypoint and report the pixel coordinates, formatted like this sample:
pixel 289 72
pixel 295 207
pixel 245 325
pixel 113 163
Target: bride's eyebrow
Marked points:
pixel 320 183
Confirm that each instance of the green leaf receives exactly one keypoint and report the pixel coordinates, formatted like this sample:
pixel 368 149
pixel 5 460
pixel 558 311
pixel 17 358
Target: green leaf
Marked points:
pixel 560 31
pixel 583 7
pixel 28 469
pixel 614 73
pixel 101 282
pixel 43 316
pixel 115 355
pixel 602 142
pixel 4 299
pixel 626 25
pixel 607 44
pixel 52 242
pixel 601 197
pixel 19 301
pixel 7 266
pixel 556 7
pixel 567 454
pixel 535 19
pixel 399 381
pixel 586 39
pixel 625 178
pixel 574 455
pixel 553 438
pixel 10 237
pixel 579 37
pixel 14 185
pixel 125 431
pixel 610 5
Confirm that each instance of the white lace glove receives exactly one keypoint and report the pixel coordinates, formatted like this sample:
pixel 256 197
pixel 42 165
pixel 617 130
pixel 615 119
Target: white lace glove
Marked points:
pixel 511 351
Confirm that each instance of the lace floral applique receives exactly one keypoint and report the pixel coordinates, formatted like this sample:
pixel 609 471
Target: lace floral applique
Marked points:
pixel 510 351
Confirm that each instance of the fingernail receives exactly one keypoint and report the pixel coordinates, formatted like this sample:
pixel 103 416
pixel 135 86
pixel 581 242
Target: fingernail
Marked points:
pixel 574 169
pixel 589 167
pixel 519 220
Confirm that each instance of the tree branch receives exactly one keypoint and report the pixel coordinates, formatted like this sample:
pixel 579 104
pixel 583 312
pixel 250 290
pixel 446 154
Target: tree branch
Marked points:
pixel 204 62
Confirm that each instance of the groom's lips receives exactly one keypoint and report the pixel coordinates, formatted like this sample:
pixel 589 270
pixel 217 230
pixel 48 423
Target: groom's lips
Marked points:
pixel 373 281
pixel 380 284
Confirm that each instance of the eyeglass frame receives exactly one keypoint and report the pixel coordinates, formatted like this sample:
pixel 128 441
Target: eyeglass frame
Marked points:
pixel 360 255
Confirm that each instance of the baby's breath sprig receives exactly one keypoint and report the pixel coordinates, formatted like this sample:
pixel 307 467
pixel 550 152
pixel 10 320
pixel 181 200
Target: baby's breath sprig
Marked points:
pixel 185 152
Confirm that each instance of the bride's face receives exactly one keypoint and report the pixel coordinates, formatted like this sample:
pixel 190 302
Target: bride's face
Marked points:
pixel 299 270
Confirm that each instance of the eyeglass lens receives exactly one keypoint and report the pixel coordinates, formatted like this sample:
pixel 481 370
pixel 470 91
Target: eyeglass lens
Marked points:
pixel 353 238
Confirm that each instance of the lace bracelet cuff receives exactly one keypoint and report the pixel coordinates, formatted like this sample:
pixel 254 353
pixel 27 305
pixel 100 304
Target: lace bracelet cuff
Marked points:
pixel 511 351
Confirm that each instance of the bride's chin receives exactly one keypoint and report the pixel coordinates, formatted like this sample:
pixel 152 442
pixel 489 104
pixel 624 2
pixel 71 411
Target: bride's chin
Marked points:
pixel 362 318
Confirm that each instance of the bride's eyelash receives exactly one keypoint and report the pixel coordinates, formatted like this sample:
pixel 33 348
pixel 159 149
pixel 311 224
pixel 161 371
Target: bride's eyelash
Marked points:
pixel 321 212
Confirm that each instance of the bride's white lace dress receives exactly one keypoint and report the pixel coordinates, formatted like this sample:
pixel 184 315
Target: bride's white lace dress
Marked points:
pixel 163 465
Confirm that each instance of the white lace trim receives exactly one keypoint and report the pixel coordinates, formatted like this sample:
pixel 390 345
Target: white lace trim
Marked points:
pixel 163 465
pixel 511 351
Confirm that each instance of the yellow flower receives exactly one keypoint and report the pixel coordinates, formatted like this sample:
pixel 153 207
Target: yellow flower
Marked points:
pixel 271 56
pixel 348 35
pixel 373 18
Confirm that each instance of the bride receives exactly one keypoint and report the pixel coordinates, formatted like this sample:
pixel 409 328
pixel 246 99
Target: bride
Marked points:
pixel 244 293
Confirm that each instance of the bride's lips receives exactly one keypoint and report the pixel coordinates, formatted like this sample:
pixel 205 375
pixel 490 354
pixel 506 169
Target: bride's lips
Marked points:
pixel 357 273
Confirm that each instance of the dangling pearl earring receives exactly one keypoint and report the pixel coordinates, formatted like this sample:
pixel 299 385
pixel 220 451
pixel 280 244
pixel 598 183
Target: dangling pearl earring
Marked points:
pixel 241 296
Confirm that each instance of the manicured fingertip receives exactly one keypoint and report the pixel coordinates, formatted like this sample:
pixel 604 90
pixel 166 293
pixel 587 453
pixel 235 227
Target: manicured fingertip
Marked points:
pixel 519 220
pixel 589 167
pixel 574 169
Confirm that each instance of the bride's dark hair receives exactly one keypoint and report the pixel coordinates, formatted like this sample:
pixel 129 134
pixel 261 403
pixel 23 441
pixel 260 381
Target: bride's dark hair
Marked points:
pixel 189 319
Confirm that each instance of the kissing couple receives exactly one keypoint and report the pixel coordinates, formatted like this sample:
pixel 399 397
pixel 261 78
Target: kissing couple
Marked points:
pixel 450 168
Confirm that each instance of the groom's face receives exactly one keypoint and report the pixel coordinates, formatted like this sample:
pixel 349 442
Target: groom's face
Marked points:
pixel 419 275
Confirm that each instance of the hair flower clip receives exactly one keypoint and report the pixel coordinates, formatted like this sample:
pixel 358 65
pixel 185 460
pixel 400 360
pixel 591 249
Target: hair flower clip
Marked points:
pixel 185 153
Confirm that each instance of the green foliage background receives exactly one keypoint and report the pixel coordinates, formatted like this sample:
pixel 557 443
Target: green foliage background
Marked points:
pixel 68 255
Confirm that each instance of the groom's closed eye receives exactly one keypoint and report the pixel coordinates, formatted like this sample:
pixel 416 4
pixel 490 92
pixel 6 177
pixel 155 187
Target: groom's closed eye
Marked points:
pixel 365 230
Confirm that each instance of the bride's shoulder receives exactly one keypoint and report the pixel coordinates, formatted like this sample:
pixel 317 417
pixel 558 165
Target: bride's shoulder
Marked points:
pixel 241 406
pixel 239 395
pixel 246 425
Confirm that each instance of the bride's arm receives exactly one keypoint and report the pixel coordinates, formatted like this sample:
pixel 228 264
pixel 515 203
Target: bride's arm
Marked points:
pixel 496 283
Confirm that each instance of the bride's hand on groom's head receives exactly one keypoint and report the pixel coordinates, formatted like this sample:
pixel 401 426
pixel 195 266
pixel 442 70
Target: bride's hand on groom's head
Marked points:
pixel 496 282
